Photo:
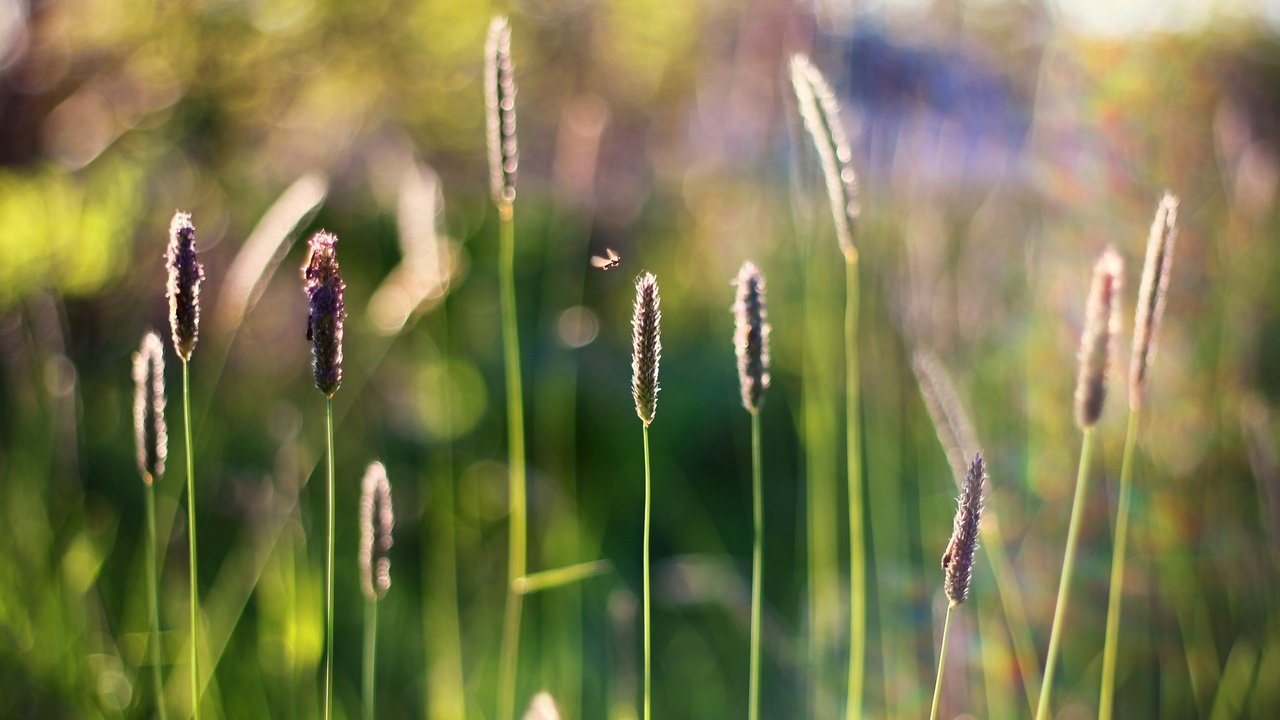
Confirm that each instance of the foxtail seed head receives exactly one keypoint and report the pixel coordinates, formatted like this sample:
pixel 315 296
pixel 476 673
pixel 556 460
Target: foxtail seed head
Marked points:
pixel 957 561
pixel 500 106
pixel 322 281
pixel 646 347
pixel 751 336
pixel 152 438
pixel 950 421
pixel 821 113
pixel 1102 322
pixel 376 523
pixel 185 275
pixel 1151 295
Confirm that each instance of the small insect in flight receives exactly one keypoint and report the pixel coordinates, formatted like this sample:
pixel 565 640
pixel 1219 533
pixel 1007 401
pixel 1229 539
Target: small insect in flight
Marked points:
pixel 610 262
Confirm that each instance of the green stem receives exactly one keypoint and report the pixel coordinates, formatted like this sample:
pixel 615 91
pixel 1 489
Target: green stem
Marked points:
pixel 328 565
pixel 647 631
pixel 153 598
pixel 516 479
pixel 560 577
pixel 1014 610
pixel 857 552
pixel 757 561
pixel 191 543
pixel 1068 566
pixel 1107 696
pixel 370 655
pixel 942 662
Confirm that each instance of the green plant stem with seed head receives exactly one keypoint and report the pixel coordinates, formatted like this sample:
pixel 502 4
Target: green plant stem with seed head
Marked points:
pixel 328 564
pixel 647 628
pixel 853 440
pixel 1068 567
pixel 942 662
pixel 191 543
pixel 153 599
pixel 757 562
pixel 1107 696
pixel 370 656
pixel 516 547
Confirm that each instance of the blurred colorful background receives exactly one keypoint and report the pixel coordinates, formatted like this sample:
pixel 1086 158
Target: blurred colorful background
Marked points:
pixel 1002 144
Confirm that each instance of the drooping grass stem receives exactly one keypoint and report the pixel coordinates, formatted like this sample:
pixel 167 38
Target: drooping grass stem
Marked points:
pixel 648 496
pixel 370 656
pixel 942 662
pixel 757 561
pixel 516 546
pixel 328 562
pixel 1107 696
pixel 853 441
pixel 1068 567
pixel 153 599
pixel 191 543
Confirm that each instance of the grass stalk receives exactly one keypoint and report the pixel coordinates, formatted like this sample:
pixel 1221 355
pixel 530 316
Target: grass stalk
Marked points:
pixel 370 656
pixel 328 563
pixel 560 577
pixel 1107 695
pixel 857 550
pixel 942 662
pixel 648 496
pixel 153 599
pixel 757 562
pixel 1068 567
pixel 191 543
pixel 516 547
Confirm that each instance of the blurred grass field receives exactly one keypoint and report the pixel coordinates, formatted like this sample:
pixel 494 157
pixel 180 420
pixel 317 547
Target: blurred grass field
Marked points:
pixel 1001 146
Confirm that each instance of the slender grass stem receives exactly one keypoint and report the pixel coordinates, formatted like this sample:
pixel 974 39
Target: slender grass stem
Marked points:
pixel 191 543
pixel 1068 567
pixel 560 577
pixel 942 662
pixel 1107 696
pixel 757 562
pixel 328 564
pixel 370 656
pixel 648 496
pixel 1015 613
pixel 516 547
pixel 153 599
pixel 857 551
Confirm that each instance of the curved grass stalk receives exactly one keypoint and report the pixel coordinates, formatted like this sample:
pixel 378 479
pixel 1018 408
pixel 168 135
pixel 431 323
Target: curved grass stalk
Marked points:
pixel 1107 696
pixel 857 550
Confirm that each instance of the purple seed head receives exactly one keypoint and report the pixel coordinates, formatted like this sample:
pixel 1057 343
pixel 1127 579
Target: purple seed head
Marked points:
pixel 150 433
pixel 646 347
pixel 185 275
pixel 500 106
pixel 376 524
pixel 1151 295
pixel 1102 321
pixel 751 336
pixel 322 281
pixel 957 561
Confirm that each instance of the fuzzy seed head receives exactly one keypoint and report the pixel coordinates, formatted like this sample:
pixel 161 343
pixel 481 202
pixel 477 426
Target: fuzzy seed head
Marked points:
pixel 376 524
pixel 646 347
pixel 150 433
pixel 322 281
pixel 751 336
pixel 821 114
pixel 1102 322
pixel 500 104
pixel 1151 295
pixel 950 420
pixel 957 561
pixel 185 275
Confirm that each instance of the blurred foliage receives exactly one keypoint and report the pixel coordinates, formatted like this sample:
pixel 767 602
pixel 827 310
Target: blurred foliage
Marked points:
pixel 1002 145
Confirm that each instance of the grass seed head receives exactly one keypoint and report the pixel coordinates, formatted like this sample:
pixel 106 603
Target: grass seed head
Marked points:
pixel 950 421
pixel 1151 295
pixel 322 281
pixel 185 275
pixel 957 561
pixel 821 113
pixel 376 524
pixel 1102 322
pixel 751 336
pixel 543 707
pixel 151 435
pixel 500 106
pixel 646 347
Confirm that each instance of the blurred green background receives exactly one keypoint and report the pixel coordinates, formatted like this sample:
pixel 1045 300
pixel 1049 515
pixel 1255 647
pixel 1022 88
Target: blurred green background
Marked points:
pixel 1002 144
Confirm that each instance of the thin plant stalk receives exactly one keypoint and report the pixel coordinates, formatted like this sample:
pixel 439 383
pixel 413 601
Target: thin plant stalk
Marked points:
pixel 370 655
pixel 328 563
pixel 153 599
pixel 857 551
pixel 191 534
pixel 647 640
pixel 1068 567
pixel 757 561
pixel 1107 697
pixel 942 662
pixel 516 547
